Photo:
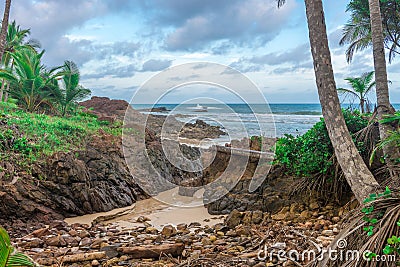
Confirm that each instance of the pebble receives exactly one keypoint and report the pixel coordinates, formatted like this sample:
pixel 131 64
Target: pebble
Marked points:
pixel 200 241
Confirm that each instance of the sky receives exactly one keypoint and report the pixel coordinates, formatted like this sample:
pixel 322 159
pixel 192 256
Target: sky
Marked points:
pixel 121 44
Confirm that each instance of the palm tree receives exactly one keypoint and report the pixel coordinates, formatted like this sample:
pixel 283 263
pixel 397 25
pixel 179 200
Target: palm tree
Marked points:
pixel 360 87
pixel 357 174
pixel 4 27
pixel 16 39
pixel 384 107
pixel 357 31
pixel 31 84
pixel 69 91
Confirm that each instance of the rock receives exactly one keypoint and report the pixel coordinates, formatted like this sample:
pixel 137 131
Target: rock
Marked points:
pixel 95 263
pixel 151 230
pixel 234 219
pixel 257 217
pixel 85 242
pixel 206 241
pixel 55 241
pixel 242 230
pixel 314 205
pixel 181 227
pixel 32 243
pixel 280 216
pixel 111 250
pixel 213 238
pixel 142 219
pixel 41 232
pixel 168 231
pixel 219 233
pixel 327 233
pixel 305 214
pixel 83 234
pixel 194 224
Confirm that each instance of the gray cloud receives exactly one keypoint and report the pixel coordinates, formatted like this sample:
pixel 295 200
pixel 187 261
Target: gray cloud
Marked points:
pixel 299 56
pixel 111 70
pixel 199 23
pixel 156 65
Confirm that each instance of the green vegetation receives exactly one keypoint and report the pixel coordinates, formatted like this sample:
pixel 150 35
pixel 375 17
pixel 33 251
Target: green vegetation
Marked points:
pixel 393 139
pixel 357 31
pixel 8 255
pixel 311 154
pixel 33 135
pixel 360 88
pixel 33 86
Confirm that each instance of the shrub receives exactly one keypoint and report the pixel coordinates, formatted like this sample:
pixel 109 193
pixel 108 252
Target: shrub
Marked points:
pixel 311 153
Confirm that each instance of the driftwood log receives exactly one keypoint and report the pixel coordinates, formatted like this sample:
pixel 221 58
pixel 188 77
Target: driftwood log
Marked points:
pixel 153 251
pixel 73 258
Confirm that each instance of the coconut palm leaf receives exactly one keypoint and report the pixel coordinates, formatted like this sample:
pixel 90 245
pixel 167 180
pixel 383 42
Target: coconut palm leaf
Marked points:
pixel 357 31
pixel 360 87
pixel 348 91
pixel 8 256
pixel 69 90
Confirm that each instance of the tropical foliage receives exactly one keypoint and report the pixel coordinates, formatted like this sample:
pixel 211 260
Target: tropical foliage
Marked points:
pixel 360 88
pixel 357 31
pixel 15 40
pixel 69 89
pixel 33 86
pixel 311 153
pixel 31 135
pixel 9 257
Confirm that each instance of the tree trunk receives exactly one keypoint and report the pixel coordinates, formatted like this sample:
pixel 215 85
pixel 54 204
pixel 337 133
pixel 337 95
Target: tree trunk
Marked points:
pixel 6 93
pixel 391 152
pixel 357 174
pixel 362 101
pixel 4 27
pixel 2 89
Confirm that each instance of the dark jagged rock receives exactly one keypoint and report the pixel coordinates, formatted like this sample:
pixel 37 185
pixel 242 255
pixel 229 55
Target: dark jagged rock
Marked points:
pixel 94 179
pixel 106 109
pixel 200 130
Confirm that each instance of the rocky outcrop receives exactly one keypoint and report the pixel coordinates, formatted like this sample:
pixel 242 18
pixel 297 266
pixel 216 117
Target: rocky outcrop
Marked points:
pixel 201 130
pixel 93 179
pixel 106 109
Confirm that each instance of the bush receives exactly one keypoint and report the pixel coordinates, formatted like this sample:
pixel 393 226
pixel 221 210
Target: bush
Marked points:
pixel 311 153
pixel 35 135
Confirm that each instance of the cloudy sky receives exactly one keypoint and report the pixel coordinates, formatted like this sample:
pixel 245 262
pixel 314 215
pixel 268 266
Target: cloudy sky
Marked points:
pixel 120 44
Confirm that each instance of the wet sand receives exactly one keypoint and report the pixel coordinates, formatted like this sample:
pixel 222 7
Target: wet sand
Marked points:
pixel 159 213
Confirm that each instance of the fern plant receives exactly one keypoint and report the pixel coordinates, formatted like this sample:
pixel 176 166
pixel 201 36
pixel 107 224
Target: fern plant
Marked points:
pixel 9 257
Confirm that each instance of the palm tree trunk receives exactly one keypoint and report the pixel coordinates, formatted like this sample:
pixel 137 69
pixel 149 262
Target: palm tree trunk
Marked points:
pixel 362 101
pixel 357 174
pixel 4 27
pixel 2 89
pixel 391 152
pixel 6 94
pixel 8 84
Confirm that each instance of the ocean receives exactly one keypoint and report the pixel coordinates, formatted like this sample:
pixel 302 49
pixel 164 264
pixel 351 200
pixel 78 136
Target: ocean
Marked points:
pixel 240 120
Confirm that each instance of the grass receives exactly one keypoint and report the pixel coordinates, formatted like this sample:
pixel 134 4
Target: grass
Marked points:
pixel 33 136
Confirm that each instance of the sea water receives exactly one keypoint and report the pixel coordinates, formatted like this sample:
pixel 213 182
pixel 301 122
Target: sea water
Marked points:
pixel 257 119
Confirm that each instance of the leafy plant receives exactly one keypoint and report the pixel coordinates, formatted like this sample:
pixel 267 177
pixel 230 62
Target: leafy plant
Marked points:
pixel 35 135
pixel 9 257
pixel 393 139
pixel 311 153
pixel 30 83
pixel 370 217
pixel 68 91
pixel 360 88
